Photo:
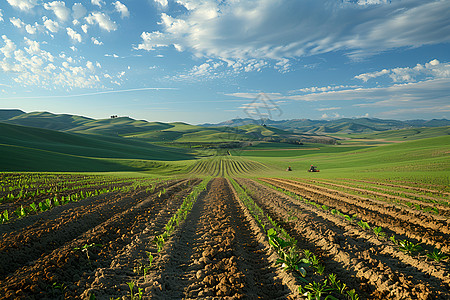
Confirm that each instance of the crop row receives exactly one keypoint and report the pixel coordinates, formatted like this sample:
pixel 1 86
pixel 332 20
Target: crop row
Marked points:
pixel 225 166
pixel 404 245
pixel 421 204
pixel 46 204
pixel 294 259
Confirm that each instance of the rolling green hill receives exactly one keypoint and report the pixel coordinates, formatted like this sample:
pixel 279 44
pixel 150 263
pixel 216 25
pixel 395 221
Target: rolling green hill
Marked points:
pixel 35 143
pixel 407 134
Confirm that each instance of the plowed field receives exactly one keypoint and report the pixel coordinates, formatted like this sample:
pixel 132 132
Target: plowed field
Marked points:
pixel 298 237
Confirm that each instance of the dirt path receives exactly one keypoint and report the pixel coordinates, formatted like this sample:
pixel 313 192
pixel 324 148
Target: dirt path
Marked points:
pixel 215 254
pixel 373 267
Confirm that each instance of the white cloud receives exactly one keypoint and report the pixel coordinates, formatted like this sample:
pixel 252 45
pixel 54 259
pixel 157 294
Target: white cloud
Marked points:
pixel 162 3
pixel 329 108
pixel 59 9
pixel 96 42
pixel 31 29
pixel 1 16
pixel 315 89
pixel 73 35
pixel 432 69
pixel 78 11
pixel 102 20
pixel 333 116
pixel 122 9
pixel 269 30
pixel 90 66
pixel 23 4
pixel 9 47
pixel 99 3
pixel 17 22
pixel 84 27
pixel 51 25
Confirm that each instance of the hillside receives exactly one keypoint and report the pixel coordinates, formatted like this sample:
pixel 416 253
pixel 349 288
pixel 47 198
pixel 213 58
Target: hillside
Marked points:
pixel 36 146
pixel 157 132
pixel 345 125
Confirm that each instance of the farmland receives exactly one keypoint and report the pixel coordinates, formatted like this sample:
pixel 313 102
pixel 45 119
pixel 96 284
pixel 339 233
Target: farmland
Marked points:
pixel 372 224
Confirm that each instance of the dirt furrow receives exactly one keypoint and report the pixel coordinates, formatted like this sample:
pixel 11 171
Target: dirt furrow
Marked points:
pixel 393 189
pixel 403 186
pixel 66 265
pixel 61 225
pixel 422 230
pixel 215 254
pixel 443 210
pixel 351 252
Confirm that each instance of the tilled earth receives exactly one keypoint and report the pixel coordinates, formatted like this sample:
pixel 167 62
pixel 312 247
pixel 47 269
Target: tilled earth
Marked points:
pixel 216 254
pixel 380 270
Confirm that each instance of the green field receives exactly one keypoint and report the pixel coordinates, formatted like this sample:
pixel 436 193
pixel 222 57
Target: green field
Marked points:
pixel 177 149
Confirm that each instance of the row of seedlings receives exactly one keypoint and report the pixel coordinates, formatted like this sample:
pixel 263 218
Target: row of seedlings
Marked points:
pixel 404 245
pixel 295 260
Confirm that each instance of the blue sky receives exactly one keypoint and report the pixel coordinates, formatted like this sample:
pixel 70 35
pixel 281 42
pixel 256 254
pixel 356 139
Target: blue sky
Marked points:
pixel 208 61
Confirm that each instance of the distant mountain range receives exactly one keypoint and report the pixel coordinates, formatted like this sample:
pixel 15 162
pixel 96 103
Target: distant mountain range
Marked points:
pixel 237 129
pixel 345 125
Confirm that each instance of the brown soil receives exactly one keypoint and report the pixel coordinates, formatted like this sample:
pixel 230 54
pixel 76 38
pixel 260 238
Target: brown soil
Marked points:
pixel 215 255
pixel 409 223
pixel 42 256
pixel 372 266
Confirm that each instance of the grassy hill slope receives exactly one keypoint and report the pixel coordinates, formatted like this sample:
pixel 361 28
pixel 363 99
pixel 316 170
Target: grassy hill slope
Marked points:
pixel 36 142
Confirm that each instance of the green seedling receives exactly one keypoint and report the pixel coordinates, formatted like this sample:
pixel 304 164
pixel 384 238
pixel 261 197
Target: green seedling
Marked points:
pixel 392 238
pixel 5 216
pixel 336 284
pixel 85 248
pixel 20 212
pixel 132 295
pixel 363 225
pixel 324 207
pixel 320 269
pixel 350 219
pixel 379 231
pixel 34 207
pixel 437 255
pixel 352 295
pixel 159 241
pixel 409 247
pixel 315 290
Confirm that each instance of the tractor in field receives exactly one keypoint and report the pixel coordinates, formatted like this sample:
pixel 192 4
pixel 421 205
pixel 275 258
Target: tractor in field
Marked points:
pixel 313 169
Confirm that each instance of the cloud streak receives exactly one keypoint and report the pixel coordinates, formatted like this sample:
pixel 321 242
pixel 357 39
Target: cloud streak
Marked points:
pixel 92 94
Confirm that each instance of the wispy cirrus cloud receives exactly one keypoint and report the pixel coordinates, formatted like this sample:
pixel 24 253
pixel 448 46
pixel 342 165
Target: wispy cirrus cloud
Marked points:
pixel 269 30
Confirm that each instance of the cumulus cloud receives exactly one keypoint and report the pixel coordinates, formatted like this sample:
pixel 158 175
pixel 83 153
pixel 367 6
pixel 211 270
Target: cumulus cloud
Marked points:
pixel 162 3
pixel 122 9
pixel 51 25
pixel 23 4
pixel 8 48
pixel 31 29
pixel 99 3
pixel 96 42
pixel 103 21
pixel 269 30
pixel 78 11
pixel 432 69
pixel 59 9
pixel 17 22
pixel 73 35
pixel 1 16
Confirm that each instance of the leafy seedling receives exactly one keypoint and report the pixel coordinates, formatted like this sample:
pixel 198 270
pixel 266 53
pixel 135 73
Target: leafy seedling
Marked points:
pixel 437 255
pixel 409 247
